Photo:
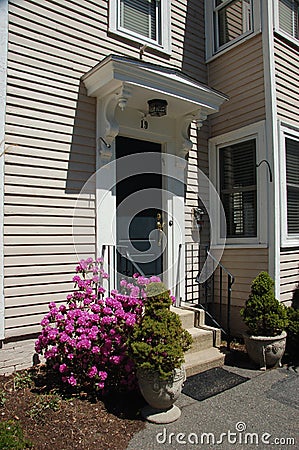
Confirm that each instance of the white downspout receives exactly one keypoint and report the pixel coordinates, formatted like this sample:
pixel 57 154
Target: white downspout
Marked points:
pixel 3 78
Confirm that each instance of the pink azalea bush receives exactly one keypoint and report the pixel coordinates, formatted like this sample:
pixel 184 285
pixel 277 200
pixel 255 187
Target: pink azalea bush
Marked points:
pixel 84 341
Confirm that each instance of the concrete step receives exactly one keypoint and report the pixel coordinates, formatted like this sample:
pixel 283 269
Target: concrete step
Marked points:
pixel 202 339
pixel 199 314
pixel 186 316
pixel 203 360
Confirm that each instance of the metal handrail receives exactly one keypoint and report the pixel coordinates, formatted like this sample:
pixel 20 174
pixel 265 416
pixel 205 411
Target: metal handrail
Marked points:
pixel 222 266
pixel 128 256
pixel 209 288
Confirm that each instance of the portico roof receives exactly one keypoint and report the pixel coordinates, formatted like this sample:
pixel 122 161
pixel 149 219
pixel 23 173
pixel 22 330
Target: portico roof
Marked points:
pixel 144 81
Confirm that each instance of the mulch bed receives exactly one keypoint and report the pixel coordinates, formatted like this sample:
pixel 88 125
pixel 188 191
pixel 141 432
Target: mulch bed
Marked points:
pixel 70 421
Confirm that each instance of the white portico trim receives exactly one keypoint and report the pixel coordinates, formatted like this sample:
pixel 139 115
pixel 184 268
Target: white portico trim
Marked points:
pixel 123 88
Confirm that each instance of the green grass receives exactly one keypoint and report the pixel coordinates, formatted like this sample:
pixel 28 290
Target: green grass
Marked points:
pixel 11 436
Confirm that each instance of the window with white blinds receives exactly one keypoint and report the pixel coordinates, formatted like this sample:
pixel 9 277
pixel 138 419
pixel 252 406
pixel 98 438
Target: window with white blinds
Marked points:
pixel 292 182
pixel 232 19
pixel 142 17
pixel 238 189
pixel 288 11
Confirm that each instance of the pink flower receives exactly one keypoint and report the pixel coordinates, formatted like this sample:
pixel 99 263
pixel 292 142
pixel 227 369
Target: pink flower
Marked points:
pixel 45 322
pixel 102 375
pixel 131 320
pixel 72 380
pixel 92 372
pixel 95 349
pixel 155 279
pixel 62 368
pixel 115 359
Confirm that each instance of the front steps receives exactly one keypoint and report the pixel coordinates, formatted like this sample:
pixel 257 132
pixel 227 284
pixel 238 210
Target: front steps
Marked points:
pixel 204 353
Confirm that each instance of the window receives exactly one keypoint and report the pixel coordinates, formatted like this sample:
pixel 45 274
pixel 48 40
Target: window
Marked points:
pixel 292 184
pixel 288 12
pixel 238 191
pixel 232 19
pixel 144 21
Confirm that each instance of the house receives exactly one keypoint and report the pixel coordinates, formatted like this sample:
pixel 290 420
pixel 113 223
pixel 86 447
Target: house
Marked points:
pixel 196 93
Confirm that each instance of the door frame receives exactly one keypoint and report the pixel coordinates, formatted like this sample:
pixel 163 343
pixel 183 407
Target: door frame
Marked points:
pixel 163 133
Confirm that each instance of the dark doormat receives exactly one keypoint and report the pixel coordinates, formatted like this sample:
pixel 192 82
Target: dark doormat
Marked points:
pixel 210 383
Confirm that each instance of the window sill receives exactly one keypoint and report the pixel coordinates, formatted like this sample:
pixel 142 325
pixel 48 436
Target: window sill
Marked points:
pixel 165 49
pixel 290 242
pixel 287 37
pixel 240 245
pixel 232 45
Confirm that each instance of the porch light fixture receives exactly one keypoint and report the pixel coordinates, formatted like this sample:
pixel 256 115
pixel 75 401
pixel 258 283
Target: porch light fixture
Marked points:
pixel 157 107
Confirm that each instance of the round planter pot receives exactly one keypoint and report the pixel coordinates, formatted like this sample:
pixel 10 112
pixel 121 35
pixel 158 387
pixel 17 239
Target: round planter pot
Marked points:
pixel 266 351
pixel 161 394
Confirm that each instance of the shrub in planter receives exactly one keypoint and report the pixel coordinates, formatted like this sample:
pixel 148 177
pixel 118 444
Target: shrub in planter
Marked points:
pixel 295 300
pixel 293 332
pixel 263 314
pixel 157 345
pixel 84 340
pixel 158 341
pixel 266 319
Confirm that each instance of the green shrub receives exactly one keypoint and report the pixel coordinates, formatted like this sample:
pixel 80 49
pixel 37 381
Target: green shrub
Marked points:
pixel 293 331
pixel 11 436
pixel 295 300
pixel 158 341
pixel 22 380
pixel 263 314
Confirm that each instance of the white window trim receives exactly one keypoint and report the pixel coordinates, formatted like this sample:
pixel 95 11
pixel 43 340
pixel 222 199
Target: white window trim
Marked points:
pixel 277 28
pixel 255 131
pixel 211 51
pixel 284 132
pixel 115 28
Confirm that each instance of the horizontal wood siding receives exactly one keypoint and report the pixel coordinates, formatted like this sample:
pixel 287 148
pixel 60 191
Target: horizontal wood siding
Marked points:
pixel 287 81
pixel 244 264
pixel 50 139
pixel 289 273
pixel 238 73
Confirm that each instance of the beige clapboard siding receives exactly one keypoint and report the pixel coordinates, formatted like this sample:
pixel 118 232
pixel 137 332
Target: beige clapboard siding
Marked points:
pixel 51 139
pixel 44 174
pixel 238 73
pixel 244 264
pixel 289 273
pixel 286 81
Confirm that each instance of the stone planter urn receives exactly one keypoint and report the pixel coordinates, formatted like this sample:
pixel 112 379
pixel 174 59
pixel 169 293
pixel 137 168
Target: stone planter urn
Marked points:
pixel 161 394
pixel 266 351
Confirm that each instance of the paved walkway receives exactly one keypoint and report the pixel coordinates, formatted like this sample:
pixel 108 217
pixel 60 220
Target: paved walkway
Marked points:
pixel 261 413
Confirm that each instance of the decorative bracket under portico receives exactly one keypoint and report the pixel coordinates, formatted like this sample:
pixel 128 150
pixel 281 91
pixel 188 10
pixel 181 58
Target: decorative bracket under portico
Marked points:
pixel 184 142
pixel 109 125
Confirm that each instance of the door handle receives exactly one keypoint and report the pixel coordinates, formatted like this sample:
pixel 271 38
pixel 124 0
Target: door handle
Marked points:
pixel 160 226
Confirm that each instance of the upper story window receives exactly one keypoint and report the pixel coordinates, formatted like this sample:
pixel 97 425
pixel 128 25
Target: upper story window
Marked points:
pixel 232 19
pixel 238 190
pixel 228 22
pixel 288 12
pixel 143 21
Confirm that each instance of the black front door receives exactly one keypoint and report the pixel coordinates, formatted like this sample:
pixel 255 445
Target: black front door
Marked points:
pixel 139 215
